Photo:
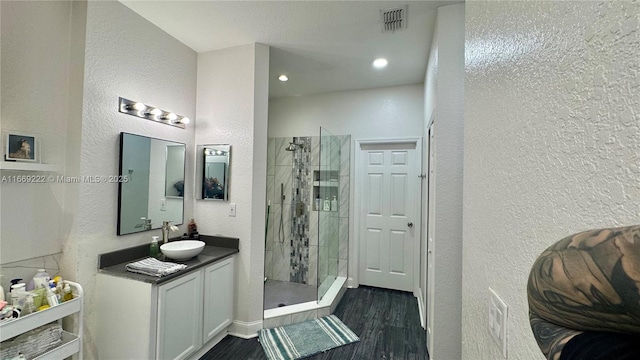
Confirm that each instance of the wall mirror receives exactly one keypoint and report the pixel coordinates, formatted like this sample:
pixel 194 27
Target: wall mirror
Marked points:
pixel 154 188
pixel 212 171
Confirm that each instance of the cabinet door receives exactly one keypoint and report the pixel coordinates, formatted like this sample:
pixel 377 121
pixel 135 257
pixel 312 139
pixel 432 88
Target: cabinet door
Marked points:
pixel 218 298
pixel 179 314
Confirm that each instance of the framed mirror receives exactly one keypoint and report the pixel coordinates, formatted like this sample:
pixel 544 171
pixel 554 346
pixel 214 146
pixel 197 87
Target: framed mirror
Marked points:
pixel 212 171
pixel 154 190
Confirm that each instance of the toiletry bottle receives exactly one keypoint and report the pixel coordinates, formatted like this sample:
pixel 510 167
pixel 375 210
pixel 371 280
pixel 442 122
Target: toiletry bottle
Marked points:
pixel 154 248
pixel 52 298
pixel 192 229
pixel 68 295
pixel 334 204
pixel 318 203
pixel 41 279
pixel 17 294
pixel 58 281
pixel 29 306
pixel 327 204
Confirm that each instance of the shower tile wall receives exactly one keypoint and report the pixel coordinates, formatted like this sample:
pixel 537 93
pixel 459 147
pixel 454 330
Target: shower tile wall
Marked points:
pixel 345 171
pixel 278 262
pixel 300 210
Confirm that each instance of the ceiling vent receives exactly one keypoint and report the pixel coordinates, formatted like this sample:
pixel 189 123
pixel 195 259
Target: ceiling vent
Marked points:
pixel 394 19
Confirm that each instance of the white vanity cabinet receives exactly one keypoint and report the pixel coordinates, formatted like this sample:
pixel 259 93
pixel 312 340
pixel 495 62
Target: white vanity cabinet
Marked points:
pixel 179 308
pixel 173 320
pixel 218 305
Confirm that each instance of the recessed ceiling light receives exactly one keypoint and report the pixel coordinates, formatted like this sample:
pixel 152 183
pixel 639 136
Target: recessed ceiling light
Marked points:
pixel 380 63
pixel 283 77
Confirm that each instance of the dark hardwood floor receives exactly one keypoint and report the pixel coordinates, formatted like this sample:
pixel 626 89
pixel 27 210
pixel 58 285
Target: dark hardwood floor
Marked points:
pixel 387 322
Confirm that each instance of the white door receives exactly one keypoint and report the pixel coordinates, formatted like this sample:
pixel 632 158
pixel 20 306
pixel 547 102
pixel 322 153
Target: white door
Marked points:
pixel 389 195
pixel 430 232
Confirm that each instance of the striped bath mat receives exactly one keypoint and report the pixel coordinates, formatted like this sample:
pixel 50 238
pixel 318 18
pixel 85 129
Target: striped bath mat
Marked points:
pixel 311 337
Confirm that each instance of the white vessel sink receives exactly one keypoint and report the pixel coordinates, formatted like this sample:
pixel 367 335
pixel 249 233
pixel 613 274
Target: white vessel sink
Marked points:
pixel 182 249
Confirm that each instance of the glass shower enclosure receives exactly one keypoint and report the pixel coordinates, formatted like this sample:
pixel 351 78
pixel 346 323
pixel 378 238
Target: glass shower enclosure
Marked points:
pixel 303 218
pixel 327 189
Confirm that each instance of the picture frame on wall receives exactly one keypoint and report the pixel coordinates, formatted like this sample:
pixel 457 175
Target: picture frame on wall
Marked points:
pixel 21 146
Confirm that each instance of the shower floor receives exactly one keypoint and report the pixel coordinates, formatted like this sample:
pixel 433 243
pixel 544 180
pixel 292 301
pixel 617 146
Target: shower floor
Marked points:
pixel 284 293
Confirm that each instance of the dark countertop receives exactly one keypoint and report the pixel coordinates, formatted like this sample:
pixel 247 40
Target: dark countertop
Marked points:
pixel 216 248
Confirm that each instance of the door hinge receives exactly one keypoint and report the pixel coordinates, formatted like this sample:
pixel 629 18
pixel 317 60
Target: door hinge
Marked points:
pixel 422 176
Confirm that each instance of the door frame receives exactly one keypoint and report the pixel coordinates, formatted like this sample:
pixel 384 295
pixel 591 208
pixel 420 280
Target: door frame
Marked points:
pixel 354 250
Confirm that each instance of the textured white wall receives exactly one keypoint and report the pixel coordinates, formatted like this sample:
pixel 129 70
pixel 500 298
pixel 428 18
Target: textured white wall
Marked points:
pixel 389 112
pixel 447 105
pixel 552 144
pixel 232 109
pixel 125 56
pixel 35 88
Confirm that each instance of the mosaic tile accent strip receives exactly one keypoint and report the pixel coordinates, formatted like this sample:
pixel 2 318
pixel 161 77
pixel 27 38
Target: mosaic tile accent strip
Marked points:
pixel 300 193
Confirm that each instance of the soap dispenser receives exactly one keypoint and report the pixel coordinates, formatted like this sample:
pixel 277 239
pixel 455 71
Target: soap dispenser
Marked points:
pixel 327 204
pixel 154 248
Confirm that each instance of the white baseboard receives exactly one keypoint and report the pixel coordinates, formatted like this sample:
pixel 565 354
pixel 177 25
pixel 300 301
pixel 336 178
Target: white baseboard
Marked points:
pixel 245 330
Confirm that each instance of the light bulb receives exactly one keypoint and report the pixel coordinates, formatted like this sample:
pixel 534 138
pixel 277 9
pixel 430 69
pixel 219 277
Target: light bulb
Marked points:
pixel 283 78
pixel 185 120
pixel 155 112
pixel 171 116
pixel 380 63
pixel 139 106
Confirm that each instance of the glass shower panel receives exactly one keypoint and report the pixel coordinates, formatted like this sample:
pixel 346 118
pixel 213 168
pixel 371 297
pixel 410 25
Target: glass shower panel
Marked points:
pixel 327 183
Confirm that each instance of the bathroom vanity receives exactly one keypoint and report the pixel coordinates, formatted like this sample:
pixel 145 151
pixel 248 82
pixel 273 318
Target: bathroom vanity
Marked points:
pixel 178 316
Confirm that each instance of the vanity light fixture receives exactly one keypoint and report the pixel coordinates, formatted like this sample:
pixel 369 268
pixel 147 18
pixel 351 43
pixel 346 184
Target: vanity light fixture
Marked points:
pixel 152 113
pixel 214 152
pixel 283 78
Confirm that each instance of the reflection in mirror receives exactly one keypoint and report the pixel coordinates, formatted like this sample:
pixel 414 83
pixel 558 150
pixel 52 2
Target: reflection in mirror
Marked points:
pixel 174 177
pixel 213 172
pixel 154 190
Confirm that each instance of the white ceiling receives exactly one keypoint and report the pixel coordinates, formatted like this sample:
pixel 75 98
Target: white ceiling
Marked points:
pixel 323 46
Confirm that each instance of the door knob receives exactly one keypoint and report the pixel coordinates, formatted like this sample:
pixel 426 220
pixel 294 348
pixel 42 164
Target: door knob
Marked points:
pixel 410 224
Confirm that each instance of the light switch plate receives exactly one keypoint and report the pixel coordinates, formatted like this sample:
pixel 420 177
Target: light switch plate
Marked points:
pixel 232 209
pixel 498 314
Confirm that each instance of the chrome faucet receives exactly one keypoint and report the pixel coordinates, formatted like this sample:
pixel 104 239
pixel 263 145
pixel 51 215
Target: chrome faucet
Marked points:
pixel 146 223
pixel 165 230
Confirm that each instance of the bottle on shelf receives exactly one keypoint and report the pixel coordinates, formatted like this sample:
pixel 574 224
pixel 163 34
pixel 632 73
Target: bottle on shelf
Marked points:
pixel 327 204
pixel 52 298
pixel 318 203
pixel 58 281
pixel 29 306
pixel 334 204
pixel 41 279
pixel 18 294
pixel 67 294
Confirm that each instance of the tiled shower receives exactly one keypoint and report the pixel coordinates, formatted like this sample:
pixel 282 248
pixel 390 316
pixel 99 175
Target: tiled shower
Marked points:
pixel 297 251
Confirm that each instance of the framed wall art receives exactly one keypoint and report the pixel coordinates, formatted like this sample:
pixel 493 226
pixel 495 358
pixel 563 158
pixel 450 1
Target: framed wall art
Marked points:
pixel 21 146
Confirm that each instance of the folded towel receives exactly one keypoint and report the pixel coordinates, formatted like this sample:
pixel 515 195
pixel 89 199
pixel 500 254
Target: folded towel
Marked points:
pixel 154 267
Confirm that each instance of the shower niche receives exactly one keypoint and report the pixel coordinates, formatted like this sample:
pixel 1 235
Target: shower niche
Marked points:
pixel 326 188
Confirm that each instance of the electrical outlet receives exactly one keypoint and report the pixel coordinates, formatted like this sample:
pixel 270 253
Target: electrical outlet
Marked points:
pixel 498 312
pixel 232 209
